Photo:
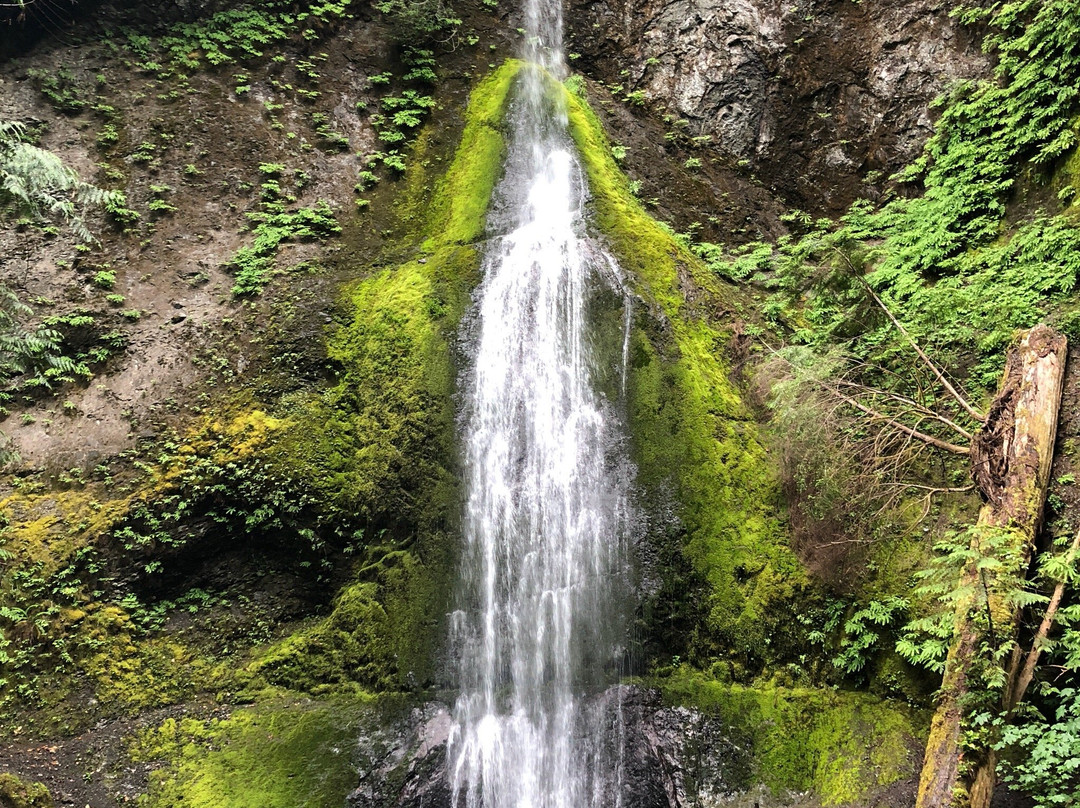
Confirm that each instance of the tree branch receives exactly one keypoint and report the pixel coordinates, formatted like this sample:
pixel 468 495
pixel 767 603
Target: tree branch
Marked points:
pixel 1028 673
pixel 974 413
pixel 910 402
pixel 907 430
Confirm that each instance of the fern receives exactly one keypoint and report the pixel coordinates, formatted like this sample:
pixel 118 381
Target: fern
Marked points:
pixel 39 184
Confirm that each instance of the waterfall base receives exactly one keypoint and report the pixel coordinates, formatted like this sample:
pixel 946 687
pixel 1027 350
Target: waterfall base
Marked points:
pixel 672 757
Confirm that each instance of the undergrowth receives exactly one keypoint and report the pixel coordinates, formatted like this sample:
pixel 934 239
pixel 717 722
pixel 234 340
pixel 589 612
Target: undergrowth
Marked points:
pixel 253 264
pixel 960 274
pixel 983 242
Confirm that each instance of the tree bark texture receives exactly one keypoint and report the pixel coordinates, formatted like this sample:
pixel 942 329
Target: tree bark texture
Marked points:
pixel 1011 457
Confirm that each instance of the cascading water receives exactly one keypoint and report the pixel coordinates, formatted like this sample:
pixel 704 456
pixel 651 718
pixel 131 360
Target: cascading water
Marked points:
pixel 540 622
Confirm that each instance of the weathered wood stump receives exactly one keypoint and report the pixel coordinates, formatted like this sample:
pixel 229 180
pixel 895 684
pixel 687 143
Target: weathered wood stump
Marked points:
pixel 1011 457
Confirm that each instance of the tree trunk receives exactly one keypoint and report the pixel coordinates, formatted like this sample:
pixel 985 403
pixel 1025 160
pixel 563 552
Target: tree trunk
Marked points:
pixel 1011 458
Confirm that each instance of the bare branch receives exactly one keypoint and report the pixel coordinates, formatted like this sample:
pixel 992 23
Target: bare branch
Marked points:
pixel 1027 674
pixel 930 439
pixel 974 413
pixel 934 490
pixel 910 402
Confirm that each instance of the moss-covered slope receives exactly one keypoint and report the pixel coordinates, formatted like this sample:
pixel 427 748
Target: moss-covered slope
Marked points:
pixel 695 441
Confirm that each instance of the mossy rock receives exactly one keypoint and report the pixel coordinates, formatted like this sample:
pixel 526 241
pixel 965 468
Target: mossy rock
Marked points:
pixel 842 746
pixel 694 440
pixel 285 753
pixel 379 445
pixel 16 793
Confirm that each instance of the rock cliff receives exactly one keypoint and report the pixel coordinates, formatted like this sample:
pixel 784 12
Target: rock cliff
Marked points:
pixel 822 99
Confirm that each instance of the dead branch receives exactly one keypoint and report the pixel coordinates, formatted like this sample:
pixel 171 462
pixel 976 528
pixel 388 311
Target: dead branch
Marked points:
pixel 1028 673
pixel 974 413
pixel 935 489
pixel 921 408
pixel 930 439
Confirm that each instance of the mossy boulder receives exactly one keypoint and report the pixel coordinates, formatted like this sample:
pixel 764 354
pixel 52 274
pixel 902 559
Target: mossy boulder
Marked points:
pixel 285 753
pixel 17 793
pixel 842 746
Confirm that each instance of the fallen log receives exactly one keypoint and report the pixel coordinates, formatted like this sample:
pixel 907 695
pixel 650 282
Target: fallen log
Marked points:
pixel 1011 457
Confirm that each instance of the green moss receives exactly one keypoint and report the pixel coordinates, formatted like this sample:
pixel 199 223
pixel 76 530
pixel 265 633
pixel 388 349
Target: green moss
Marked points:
pixel 842 746
pixel 283 754
pixel 693 437
pixel 378 444
pixel 132 671
pixel 459 212
pixel 346 648
pixel 16 793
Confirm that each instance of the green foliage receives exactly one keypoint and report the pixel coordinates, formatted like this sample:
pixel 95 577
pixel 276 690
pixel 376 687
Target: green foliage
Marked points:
pixel 863 629
pixel 945 261
pixel 408 109
pixel 986 131
pixel 377 445
pixel 144 152
pixel 105 279
pixel 994 557
pixel 1042 751
pixel 237 34
pixel 331 139
pixel 30 358
pixel 35 182
pixel 359 466
pixel 402 114
pixel 108 136
pixel 418 21
pixel 1040 741
pixel 60 88
pixel 253 264
pixel 117 209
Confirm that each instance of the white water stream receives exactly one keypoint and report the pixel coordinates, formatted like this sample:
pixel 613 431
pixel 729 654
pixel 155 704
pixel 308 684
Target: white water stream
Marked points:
pixel 543 582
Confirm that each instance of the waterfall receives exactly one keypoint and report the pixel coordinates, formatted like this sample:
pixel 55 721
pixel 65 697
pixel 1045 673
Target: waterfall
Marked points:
pixel 540 620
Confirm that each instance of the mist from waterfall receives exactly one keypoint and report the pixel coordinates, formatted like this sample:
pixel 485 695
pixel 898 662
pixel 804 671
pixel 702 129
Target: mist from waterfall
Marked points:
pixel 540 623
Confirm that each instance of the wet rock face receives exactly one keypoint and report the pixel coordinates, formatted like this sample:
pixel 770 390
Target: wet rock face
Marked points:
pixel 822 99
pixel 670 757
pixel 403 764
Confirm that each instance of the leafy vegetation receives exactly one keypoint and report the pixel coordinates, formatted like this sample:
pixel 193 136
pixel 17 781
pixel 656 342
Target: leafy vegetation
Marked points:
pixel 30 358
pixel 960 276
pixel 237 33
pixel 401 116
pixel 251 31
pixel 254 264
pixel 419 21
pixel 37 183
pixel 983 242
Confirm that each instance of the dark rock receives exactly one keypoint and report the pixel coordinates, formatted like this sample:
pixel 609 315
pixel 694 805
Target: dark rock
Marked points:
pixel 404 763
pixel 823 99
pixel 667 757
